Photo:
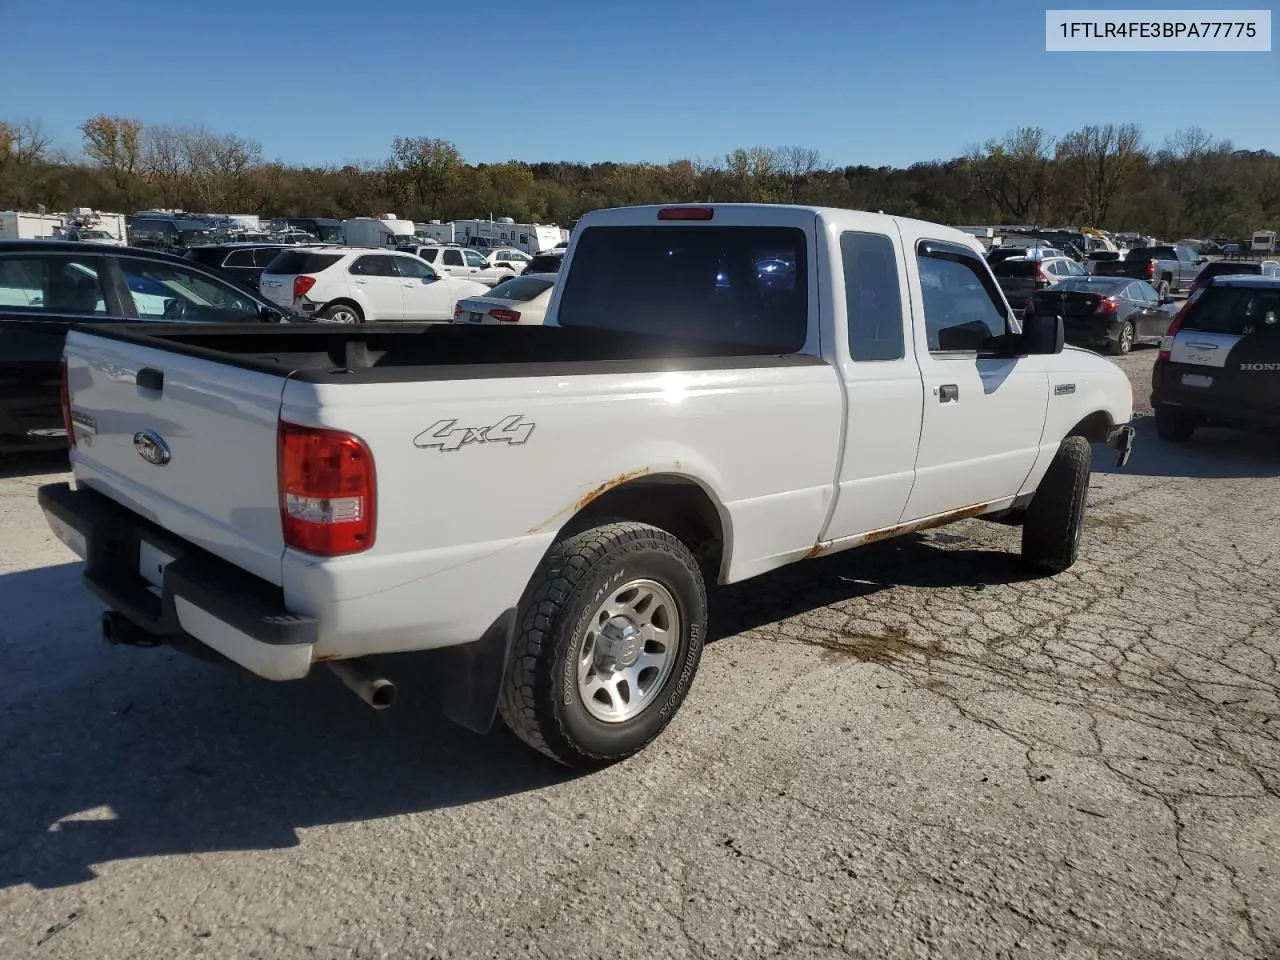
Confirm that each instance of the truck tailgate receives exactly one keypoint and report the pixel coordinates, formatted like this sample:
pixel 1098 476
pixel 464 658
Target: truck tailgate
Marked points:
pixel 190 444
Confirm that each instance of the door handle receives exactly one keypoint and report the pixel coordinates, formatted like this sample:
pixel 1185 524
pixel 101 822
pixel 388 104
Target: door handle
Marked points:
pixel 948 393
pixel 149 378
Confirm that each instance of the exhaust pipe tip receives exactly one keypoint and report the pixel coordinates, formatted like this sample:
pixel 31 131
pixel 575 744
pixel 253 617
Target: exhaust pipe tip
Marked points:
pixel 377 691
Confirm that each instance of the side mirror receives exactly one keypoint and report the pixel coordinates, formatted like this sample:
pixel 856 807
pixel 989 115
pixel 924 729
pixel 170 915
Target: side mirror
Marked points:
pixel 1201 260
pixel 268 314
pixel 1042 334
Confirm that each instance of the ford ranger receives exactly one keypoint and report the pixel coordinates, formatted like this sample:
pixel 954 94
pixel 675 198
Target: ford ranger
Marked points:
pixel 717 391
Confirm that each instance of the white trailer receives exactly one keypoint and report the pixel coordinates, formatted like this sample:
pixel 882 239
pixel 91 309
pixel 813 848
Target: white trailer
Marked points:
pixel 387 230
pixel 505 232
pixel 1264 241
pixel 435 230
pixel 29 226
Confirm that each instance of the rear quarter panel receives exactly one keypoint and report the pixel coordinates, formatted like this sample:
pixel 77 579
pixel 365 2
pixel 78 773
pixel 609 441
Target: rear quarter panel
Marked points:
pixel 462 523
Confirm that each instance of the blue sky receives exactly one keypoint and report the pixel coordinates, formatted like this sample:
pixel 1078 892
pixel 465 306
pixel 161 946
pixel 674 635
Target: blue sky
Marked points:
pixel 330 81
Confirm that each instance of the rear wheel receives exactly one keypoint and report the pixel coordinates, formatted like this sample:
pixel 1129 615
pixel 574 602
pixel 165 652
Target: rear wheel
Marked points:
pixel 1054 527
pixel 1123 342
pixel 608 642
pixel 343 313
pixel 1174 426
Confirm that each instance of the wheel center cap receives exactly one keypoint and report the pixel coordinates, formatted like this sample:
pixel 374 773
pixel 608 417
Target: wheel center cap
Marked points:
pixel 620 642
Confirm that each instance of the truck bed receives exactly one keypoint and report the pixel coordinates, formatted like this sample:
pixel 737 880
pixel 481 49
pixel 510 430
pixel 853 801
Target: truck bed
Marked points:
pixel 391 352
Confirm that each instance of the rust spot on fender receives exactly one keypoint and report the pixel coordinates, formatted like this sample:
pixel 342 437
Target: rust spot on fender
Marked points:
pixel 591 495
pixel 818 549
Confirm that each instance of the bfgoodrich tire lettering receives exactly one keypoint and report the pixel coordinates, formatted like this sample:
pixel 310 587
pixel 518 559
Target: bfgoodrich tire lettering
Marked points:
pixel 1054 526
pixel 542 700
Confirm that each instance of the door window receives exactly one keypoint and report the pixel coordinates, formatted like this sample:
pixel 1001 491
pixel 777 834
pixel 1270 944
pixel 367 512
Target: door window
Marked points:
pixel 162 291
pixel 453 258
pixel 239 258
pixel 873 301
pixel 414 269
pixel 429 254
pixel 374 266
pixel 963 309
pixel 44 284
pixel 263 256
pixel 475 260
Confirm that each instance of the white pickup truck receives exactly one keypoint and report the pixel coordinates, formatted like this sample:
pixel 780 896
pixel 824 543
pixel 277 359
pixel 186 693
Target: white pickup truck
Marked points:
pixel 717 391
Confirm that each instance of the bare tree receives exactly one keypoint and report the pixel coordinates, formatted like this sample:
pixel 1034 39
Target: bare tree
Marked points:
pixel 795 165
pixel 1100 161
pixel 1013 172
pixel 115 145
pixel 430 166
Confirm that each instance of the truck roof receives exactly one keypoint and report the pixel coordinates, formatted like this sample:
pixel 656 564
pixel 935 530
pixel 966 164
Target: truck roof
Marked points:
pixel 629 216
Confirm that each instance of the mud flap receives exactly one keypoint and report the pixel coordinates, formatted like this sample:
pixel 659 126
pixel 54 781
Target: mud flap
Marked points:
pixel 1121 439
pixel 475 673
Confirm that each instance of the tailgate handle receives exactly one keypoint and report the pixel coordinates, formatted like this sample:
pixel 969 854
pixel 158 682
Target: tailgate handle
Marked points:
pixel 149 378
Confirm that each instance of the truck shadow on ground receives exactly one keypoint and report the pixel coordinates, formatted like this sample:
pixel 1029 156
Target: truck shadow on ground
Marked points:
pixel 112 754
pixel 34 464
pixel 1211 453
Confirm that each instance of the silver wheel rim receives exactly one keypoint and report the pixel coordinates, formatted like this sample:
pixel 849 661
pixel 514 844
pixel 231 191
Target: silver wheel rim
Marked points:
pixel 627 649
pixel 343 315
pixel 1126 338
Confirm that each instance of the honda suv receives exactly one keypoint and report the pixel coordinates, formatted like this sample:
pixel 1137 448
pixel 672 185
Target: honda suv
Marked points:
pixel 363 285
pixel 1220 361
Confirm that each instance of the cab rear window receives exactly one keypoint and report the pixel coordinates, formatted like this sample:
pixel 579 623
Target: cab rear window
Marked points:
pixel 743 285
pixel 1235 310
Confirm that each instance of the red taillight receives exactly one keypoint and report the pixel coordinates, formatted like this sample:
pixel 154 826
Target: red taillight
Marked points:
pixel 505 316
pixel 1151 269
pixel 66 406
pixel 1166 343
pixel 301 285
pixel 1040 275
pixel 686 213
pixel 1108 305
pixel 327 490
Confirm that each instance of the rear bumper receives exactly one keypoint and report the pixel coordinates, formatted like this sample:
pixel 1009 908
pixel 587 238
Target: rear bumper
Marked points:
pixel 187 592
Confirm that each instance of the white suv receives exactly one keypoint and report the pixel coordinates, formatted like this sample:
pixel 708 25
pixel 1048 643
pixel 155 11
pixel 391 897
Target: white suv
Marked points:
pixel 463 262
pixel 360 285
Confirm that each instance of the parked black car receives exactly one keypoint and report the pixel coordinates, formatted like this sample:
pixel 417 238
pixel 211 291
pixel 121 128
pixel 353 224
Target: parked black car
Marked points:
pixel 1114 312
pixel 48 286
pixel 239 261
pixel 1220 362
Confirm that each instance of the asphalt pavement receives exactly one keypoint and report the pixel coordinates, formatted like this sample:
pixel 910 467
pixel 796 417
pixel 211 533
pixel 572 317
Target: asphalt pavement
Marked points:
pixel 914 749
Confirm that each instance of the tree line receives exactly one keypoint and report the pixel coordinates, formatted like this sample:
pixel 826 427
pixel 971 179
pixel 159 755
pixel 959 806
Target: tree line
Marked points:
pixel 1191 185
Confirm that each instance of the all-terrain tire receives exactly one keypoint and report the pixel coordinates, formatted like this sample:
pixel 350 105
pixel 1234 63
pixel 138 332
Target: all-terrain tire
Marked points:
pixel 541 700
pixel 1174 426
pixel 1054 526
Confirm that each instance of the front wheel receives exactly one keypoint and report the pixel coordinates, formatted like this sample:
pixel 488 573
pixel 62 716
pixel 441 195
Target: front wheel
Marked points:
pixel 1123 342
pixel 608 642
pixel 1054 527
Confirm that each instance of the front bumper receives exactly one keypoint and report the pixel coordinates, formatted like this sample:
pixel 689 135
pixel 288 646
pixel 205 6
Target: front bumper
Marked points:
pixel 176 591
pixel 1121 438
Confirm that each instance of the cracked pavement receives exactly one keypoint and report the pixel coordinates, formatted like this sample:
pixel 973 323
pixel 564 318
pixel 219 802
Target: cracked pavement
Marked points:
pixel 914 749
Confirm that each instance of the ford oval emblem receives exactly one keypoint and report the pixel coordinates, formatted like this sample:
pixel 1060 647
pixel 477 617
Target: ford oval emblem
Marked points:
pixel 151 447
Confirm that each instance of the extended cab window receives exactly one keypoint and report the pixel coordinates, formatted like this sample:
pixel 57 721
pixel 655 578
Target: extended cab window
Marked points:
pixel 741 285
pixel 872 298
pixel 963 310
pixel 43 284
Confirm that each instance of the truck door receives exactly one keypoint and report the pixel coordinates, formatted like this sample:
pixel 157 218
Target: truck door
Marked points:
pixel 883 388
pixel 983 411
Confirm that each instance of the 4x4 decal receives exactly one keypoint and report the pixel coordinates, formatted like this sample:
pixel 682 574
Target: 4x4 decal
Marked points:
pixel 447 435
